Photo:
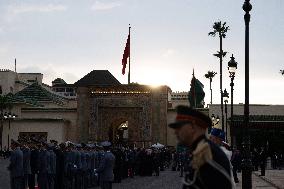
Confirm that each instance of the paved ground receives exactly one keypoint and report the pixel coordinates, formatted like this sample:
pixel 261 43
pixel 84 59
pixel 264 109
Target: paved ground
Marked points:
pixel 169 180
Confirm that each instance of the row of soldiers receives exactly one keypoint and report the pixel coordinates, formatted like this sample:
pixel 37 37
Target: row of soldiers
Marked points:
pixel 64 166
pixel 78 166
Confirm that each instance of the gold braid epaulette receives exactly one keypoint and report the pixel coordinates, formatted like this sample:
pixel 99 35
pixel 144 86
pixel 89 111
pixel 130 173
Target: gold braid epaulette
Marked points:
pixel 201 155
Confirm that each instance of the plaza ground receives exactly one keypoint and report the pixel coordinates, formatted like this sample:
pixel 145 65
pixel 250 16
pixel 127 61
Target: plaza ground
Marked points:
pixel 168 179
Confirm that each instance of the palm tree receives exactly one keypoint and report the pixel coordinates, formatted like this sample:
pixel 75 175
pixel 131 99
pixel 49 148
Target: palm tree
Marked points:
pixel 209 75
pixel 221 29
pixel 282 72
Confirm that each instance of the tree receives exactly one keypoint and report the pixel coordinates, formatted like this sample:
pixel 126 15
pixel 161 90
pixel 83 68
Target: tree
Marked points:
pixel 221 29
pixel 282 72
pixel 209 75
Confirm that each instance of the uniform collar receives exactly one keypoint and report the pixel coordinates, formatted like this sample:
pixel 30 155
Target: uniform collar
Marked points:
pixel 195 143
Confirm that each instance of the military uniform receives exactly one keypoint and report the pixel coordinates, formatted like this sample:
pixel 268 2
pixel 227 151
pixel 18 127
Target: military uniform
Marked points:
pixel 105 170
pixel 16 169
pixel 209 167
pixel 26 165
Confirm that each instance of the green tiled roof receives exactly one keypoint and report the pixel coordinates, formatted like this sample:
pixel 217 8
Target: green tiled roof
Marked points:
pixel 14 99
pixel 35 94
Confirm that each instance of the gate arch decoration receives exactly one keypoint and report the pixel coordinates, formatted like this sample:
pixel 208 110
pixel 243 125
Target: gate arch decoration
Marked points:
pixel 107 111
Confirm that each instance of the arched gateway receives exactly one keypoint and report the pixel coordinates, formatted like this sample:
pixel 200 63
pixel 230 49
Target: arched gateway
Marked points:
pixel 133 114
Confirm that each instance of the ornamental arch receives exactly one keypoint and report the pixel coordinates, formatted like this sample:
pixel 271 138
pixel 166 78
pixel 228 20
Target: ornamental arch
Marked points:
pixel 101 109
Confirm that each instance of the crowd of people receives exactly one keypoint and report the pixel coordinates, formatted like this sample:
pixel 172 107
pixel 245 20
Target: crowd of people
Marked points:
pixel 80 166
pixel 200 160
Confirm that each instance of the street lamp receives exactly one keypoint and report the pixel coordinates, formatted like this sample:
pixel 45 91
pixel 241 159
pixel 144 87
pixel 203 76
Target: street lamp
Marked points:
pixel 226 97
pixel 215 121
pixel 9 116
pixel 247 166
pixel 232 67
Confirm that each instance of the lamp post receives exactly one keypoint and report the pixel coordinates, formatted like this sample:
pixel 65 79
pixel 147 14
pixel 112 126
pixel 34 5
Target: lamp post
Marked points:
pixel 232 67
pixel 9 116
pixel 215 120
pixel 247 166
pixel 1 128
pixel 226 97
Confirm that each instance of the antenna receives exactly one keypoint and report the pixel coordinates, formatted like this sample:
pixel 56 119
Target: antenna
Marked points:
pixel 15 65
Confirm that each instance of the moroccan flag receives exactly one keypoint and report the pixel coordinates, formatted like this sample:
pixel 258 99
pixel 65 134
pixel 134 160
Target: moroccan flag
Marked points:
pixel 126 54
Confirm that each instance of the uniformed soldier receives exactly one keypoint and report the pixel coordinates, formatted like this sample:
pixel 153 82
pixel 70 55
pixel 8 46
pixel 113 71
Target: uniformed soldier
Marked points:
pixel 105 169
pixel 43 166
pixel 33 162
pixel 26 162
pixel 209 167
pixel 70 167
pixel 16 166
pixel 52 167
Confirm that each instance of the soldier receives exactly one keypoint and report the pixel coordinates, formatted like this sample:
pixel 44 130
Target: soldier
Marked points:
pixel 43 166
pixel 105 169
pixel 33 163
pixel 209 167
pixel 60 166
pixel 70 167
pixel 26 162
pixel 263 157
pixel 52 167
pixel 16 166
pixel 78 163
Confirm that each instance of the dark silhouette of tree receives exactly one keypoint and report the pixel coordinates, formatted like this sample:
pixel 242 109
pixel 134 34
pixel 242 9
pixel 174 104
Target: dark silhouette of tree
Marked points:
pixel 282 72
pixel 209 75
pixel 221 29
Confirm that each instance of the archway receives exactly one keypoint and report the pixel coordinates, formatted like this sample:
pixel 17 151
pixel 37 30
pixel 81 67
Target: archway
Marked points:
pixel 118 133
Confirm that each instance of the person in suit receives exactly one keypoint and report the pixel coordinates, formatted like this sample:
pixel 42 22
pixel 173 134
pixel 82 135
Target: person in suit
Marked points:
pixel 105 169
pixel 209 166
pixel 16 166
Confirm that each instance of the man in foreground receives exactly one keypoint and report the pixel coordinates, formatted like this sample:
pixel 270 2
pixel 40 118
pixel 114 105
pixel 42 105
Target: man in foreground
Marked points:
pixel 209 167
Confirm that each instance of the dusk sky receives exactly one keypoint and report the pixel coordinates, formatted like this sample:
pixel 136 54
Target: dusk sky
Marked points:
pixel 169 38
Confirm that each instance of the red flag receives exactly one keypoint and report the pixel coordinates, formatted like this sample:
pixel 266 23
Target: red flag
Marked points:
pixel 126 54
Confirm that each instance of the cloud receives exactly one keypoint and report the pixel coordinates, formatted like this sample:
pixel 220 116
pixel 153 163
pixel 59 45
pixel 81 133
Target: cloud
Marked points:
pixel 101 6
pixel 168 53
pixel 36 8
pixel 70 77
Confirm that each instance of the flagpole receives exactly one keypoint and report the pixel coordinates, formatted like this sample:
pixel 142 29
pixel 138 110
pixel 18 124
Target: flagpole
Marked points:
pixel 129 58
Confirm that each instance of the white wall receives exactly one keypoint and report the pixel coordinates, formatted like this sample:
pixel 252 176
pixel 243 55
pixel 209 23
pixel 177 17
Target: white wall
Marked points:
pixel 55 129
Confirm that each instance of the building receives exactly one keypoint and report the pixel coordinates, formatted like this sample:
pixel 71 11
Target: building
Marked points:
pixel 95 108
pixel 40 111
pixel 266 127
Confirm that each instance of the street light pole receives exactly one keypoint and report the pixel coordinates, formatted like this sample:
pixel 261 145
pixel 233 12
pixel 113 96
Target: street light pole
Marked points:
pixel 247 166
pixel 232 67
pixel 9 117
pixel 226 96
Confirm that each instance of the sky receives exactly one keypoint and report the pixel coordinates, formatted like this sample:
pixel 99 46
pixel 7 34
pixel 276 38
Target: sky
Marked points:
pixel 169 38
